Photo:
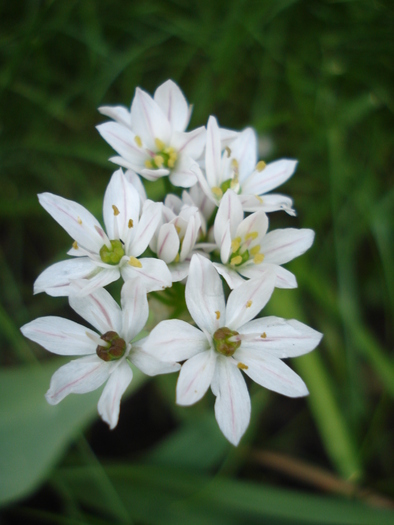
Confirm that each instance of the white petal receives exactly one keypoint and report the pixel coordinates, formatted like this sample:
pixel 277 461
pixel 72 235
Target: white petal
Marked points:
pixel 204 294
pixel 175 340
pixel 109 402
pixel 123 141
pixel 78 222
pixel 230 210
pixel 191 235
pixel 271 373
pixel 282 338
pixel 179 271
pixel 244 149
pixel 184 173
pixel 99 279
pixel 167 243
pixel 191 143
pixel 256 222
pixel 60 336
pixel 121 204
pixel 195 377
pixel 232 278
pixel 135 309
pixel 149 364
pixel 135 180
pixel 145 229
pixel 272 176
pixel 148 120
pixel 284 278
pixel 267 203
pixel 55 280
pixel 281 246
pixel 152 174
pixel 246 301
pixel 99 309
pixel 232 406
pixel 154 274
pixel 118 113
pixel 213 153
pixel 77 377
pixel 172 102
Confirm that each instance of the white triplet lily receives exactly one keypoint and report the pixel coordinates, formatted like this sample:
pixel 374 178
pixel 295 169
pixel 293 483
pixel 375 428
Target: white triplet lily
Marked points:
pixel 228 341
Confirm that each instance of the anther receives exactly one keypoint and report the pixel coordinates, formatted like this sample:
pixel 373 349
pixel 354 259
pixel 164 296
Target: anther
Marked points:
pixel 217 314
pixel 75 245
pixel 130 223
pixel 241 366
pixel 248 304
pixel 133 261
pixel 138 141
pixel 260 165
pixel 116 210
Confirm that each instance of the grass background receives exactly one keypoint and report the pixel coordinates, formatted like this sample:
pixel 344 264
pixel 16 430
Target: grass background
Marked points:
pixel 315 79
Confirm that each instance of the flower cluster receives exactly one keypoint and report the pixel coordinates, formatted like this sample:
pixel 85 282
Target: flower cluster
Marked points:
pixel 215 228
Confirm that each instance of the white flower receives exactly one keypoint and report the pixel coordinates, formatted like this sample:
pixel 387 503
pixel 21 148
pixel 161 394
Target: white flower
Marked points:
pixel 175 239
pixel 151 138
pixel 229 342
pixel 247 250
pixel 101 257
pixel 237 168
pixel 106 354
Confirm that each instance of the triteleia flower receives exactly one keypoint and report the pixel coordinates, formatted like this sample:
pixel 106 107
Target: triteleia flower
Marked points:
pixel 237 168
pixel 100 257
pixel 107 354
pixel 227 342
pixel 247 250
pixel 151 138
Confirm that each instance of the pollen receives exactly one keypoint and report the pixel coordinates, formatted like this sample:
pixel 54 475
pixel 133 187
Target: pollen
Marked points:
pixel 160 144
pixel 242 366
pixel 75 245
pixel 217 192
pixel 148 164
pixel 260 165
pixel 159 160
pixel 138 141
pixel 263 335
pixel 130 224
pixel 228 151
pixel 235 244
pixel 248 304
pixel 251 235
pixel 236 260
pixel 133 261
pixel 79 220
pixel 234 164
pixel 258 258
pixel 217 314
pixel 255 250
pixel 116 210
pixel 259 199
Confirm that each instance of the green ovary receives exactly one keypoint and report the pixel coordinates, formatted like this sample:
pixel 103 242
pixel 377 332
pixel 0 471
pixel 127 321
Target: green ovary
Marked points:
pixel 115 348
pixel 112 255
pixel 222 343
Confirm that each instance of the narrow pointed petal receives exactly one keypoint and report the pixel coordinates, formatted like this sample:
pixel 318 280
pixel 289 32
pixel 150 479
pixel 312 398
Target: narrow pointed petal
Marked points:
pixel 213 153
pixel 123 141
pixel 232 278
pixel 271 373
pixel 232 406
pixel 191 143
pixel 102 277
pixel 246 301
pixel 167 243
pixel 78 222
pixel 145 229
pixel 60 336
pixel 225 242
pixel 179 271
pixel 98 308
pixel 281 338
pixel 135 309
pixel 204 294
pixel 135 180
pixel 195 378
pixel 272 176
pixel 244 149
pixel 150 365
pixel 268 203
pixel 230 211
pixel 148 120
pixel 109 402
pixel 284 278
pixel 154 274
pixel 152 175
pixel 256 222
pixel 121 205
pixel 55 280
pixel 175 340
pixel 118 113
pixel 184 174
pixel 281 246
pixel 173 103
pixel 77 377
pixel 191 236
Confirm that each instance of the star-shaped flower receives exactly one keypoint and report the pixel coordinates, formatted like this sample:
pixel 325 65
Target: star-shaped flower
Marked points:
pixel 151 138
pixel 106 354
pixel 227 342
pixel 102 258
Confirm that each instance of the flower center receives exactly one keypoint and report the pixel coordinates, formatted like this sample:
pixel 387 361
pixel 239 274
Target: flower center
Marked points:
pixel 114 350
pixel 223 343
pixel 229 184
pixel 165 157
pixel 112 255
pixel 241 251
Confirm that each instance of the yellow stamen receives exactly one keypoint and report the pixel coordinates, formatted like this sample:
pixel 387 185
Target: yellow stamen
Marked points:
pixel 251 235
pixel 170 163
pixel 234 164
pixel 217 314
pixel 116 211
pixel 130 224
pixel 75 245
pixel 133 261
pixel 241 366
pixel 160 144
pixel 255 250
pixel 178 229
pixel 260 165
pixel 79 220
pixel 138 141
pixel 217 191
pixel 159 160
pixel 249 304
pixel 235 244
pixel 263 335
pixel 148 164
pixel 236 260
pixel 228 151
pixel 177 258
pixel 258 258
pixel 259 199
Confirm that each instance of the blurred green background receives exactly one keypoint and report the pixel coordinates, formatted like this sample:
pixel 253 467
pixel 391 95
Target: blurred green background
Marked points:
pixel 315 79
